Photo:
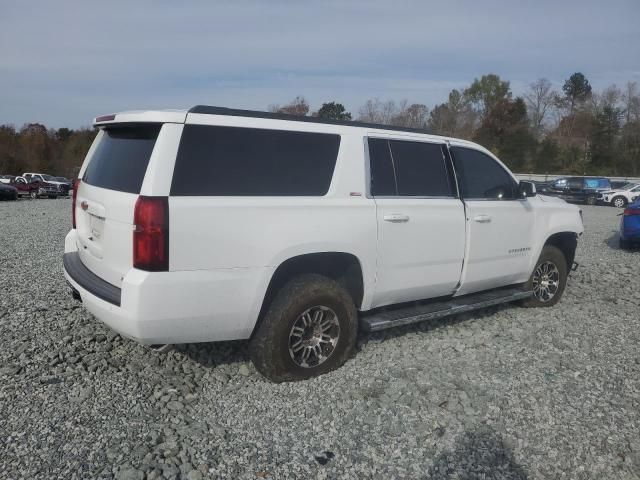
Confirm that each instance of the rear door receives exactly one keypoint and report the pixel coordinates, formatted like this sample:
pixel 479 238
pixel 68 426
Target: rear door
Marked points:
pixel 421 225
pixel 111 183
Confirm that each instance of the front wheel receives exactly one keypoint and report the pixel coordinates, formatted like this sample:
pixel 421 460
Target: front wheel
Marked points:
pixel 619 202
pixel 33 194
pixel 548 279
pixel 591 200
pixel 309 329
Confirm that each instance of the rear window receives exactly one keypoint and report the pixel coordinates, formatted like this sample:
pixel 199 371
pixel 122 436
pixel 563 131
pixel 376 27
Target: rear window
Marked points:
pixel 121 158
pixel 232 161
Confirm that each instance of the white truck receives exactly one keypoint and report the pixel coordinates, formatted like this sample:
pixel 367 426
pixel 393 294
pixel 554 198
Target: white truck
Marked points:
pixel 298 232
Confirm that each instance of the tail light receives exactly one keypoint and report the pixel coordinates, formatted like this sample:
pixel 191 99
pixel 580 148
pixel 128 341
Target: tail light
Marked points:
pixel 151 234
pixel 74 195
pixel 632 211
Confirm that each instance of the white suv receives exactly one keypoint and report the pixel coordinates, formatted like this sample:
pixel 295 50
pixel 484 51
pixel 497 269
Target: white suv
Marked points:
pixel 620 197
pixel 297 232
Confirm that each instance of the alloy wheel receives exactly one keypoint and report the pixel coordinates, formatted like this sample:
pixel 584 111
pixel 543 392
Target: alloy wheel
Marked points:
pixel 314 336
pixel 546 281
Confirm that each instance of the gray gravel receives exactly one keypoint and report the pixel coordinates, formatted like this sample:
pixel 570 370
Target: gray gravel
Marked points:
pixel 506 393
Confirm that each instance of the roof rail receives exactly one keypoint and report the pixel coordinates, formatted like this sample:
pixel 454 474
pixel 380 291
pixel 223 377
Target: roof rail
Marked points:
pixel 234 112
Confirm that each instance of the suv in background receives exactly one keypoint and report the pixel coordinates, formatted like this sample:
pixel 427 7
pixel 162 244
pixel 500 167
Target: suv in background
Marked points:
pixel 578 189
pixel 620 197
pixel 305 232
pixel 33 188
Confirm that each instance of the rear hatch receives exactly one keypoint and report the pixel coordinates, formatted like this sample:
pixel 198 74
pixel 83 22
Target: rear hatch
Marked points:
pixel 107 195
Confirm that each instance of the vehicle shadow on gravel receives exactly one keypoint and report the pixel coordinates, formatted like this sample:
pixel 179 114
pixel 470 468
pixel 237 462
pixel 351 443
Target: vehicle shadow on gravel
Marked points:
pixel 480 453
pixel 614 243
pixel 214 354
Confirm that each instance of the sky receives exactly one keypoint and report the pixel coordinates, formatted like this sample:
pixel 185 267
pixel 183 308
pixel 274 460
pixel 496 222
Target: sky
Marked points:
pixel 63 63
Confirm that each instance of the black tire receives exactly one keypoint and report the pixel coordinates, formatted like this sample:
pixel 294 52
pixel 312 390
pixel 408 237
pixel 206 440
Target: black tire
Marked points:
pixel 625 244
pixel 53 197
pixel 33 194
pixel 269 345
pixel 619 202
pixel 591 200
pixel 554 256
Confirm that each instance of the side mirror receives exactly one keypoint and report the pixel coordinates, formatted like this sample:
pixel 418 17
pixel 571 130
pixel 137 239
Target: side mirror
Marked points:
pixel 527 189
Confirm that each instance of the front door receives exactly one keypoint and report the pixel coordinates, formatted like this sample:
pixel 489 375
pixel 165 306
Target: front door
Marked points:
pixel 500 223
pixel 421 224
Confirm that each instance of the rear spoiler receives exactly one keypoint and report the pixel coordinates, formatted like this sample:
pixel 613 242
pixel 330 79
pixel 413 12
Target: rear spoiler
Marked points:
pixel 144 116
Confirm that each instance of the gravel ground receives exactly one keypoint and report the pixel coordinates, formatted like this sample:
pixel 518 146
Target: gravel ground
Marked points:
pixel 507 393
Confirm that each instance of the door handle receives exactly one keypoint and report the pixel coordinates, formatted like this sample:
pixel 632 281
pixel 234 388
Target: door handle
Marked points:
pixel 482 218
pixel 396 218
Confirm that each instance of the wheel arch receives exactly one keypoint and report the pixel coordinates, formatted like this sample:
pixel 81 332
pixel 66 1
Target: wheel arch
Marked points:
pixel 566 242
pixel 343 267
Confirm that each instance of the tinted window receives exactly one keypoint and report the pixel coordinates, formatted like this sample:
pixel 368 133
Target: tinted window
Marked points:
pixel 481 177
pixel 575 183
pixel 597 183
pixel 216 161
pixel 383 181
pixel 121 158
pixel 420 169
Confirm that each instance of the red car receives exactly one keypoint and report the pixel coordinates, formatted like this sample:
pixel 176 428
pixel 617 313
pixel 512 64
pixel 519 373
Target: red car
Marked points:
pixel 34 189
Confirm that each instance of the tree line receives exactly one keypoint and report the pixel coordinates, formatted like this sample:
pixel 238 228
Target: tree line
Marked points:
pixel 575 130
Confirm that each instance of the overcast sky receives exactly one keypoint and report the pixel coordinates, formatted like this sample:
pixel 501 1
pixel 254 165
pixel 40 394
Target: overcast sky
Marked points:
pixel 62 63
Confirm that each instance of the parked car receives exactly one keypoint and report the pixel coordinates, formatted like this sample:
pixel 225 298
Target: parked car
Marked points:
pixel 62 187
pixel 6 178
pixel 577 189
pixel 630 225
pixel 617 184
pixel 65 184
pixel 35 188
pixel 8 192
pixel 305 231
pixel 621 196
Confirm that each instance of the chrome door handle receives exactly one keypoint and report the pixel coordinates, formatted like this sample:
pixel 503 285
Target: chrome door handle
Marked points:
pixel 482 218
pixel 396 218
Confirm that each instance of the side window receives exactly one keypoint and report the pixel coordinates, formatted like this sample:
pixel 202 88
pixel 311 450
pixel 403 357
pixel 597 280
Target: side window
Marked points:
pixel 232 161
pixel 408 169
pixel 481 177
pixel 383 177
pixel 420 169
pixel 575 183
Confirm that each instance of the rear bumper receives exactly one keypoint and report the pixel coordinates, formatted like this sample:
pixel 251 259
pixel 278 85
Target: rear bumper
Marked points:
pixel 171 307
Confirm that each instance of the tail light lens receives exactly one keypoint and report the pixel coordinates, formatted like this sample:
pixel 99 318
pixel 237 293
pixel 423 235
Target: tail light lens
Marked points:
pixel 632 211
pixel 151 234
pixel 74 195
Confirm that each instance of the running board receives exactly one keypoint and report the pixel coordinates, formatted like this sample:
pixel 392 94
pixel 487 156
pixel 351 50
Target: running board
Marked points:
pixel 452 306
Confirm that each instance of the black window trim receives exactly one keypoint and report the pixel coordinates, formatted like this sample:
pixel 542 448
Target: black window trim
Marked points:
pixel 478 199
pixel 449 168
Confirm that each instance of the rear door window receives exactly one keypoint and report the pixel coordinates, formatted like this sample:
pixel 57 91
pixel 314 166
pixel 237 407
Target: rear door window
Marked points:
pixel 232 161
pixel 121 158
pixel 408 169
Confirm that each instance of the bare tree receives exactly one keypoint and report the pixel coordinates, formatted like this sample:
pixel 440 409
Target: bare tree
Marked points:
pixel 631 101
pixel 540 100
pixel 299 106
pixel 377 111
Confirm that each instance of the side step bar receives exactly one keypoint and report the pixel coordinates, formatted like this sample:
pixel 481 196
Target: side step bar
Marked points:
pixel 452 306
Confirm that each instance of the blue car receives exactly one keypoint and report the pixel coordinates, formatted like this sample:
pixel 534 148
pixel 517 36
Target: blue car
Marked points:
pixel 630 225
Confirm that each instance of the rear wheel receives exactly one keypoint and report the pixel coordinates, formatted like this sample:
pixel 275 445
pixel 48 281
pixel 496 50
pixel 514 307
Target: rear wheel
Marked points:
pixel 309 329
pixel 548 279
pixel 591 200
pixel 619 202
pixel 33 194
pixel 625 244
